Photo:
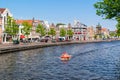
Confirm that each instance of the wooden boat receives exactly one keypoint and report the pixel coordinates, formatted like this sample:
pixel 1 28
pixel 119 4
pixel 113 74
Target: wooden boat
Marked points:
pixel 65 56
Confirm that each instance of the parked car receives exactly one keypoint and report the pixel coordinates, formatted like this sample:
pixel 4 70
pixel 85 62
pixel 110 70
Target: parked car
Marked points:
pixel 61 39
pixel 44 40
pixel 33 39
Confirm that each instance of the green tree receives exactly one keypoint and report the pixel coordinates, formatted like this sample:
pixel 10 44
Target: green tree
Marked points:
pixel 118 27
pixel 70 33
pixel 62 32
pixel 52 32
pixel 112 34
pixel 109 9
pixel 11 28
pixel 118 33
pixel 41 30
pixel 27 28
pixel 118 20
pixel 95 36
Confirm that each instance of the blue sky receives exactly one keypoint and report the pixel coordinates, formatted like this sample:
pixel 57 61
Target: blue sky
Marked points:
pixel 57 11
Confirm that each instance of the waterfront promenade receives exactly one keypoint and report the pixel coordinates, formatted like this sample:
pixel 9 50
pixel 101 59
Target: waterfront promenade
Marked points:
pixel 9 47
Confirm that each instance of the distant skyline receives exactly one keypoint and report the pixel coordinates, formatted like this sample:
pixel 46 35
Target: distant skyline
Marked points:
pixel 57 11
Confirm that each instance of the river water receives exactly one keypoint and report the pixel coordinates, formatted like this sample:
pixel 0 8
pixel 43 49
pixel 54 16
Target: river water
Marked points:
pixel 90 61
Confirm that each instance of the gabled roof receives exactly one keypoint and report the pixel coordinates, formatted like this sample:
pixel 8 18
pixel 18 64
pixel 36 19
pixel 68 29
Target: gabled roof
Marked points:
pixel 29 21
pixel 2 10
pixel 21 21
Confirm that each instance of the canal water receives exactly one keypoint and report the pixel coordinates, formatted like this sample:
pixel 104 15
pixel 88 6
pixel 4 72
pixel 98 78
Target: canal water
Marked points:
pixel 90 61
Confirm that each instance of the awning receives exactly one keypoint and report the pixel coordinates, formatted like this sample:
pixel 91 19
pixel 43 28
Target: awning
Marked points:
pixel 78 33
pixel 22 36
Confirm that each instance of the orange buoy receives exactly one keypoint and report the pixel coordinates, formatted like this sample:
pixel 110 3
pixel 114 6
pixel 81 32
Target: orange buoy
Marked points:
pixel 65 56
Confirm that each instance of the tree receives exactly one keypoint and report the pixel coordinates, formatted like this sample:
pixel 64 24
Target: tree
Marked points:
pixel 52 32
pixel 118 24
pixel 110 9
pixel 112 34
pixel 62 32
pixel 26 29
pixel 95 36
pixel 69 33
pixel 11 28
pixel 41 30
pixel 118 33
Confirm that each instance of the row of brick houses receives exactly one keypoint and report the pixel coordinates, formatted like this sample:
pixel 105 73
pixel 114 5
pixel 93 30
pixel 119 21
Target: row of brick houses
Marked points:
pixel 81 31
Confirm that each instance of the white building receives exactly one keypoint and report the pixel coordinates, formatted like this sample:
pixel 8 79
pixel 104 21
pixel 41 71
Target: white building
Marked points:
pixel 80 31
pixel 4 13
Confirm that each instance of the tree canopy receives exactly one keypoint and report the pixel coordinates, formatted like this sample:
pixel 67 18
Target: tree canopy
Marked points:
pixel 70 32
pixel 11 27
pixel 112 34
pixel 52 32
pixel 62 32
pixel 108 9
pixel 27 28
pixel 41 30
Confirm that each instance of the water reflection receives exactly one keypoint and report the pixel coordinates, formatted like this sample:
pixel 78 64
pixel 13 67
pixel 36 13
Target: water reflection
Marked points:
pixel 93 61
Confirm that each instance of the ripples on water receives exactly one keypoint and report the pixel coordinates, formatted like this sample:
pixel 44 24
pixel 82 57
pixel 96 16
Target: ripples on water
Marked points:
pixel 91 61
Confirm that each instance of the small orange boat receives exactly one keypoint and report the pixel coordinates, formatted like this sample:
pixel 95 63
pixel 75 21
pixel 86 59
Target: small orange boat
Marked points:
pixel 65 56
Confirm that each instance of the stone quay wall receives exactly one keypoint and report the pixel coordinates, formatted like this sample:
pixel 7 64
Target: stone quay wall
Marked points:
pixel 20 47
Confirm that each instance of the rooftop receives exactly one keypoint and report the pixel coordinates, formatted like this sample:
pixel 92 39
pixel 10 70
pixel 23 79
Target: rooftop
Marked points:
pixel 2 10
